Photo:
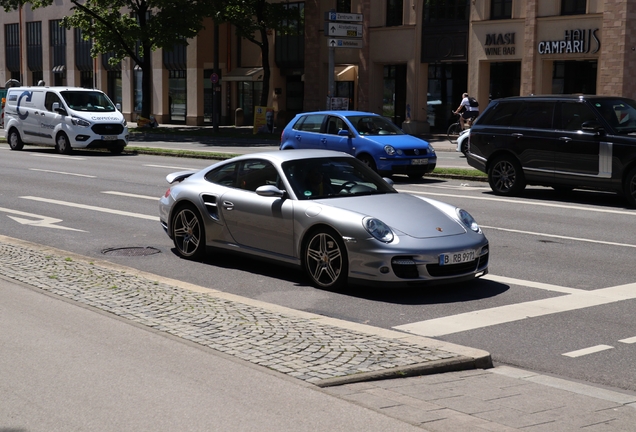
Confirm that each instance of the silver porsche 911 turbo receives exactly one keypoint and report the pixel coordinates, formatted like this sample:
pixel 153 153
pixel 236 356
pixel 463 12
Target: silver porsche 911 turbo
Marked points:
pixel 325 212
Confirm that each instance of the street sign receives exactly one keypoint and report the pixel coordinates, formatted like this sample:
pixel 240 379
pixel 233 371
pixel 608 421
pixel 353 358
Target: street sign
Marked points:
pixel 342 29
pixel 344 43
pixel 339 16
pixel 214 78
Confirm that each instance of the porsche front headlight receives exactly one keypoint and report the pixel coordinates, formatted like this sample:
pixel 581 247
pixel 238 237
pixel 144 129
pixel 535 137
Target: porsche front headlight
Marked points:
pixel 468 221
pixel 378 229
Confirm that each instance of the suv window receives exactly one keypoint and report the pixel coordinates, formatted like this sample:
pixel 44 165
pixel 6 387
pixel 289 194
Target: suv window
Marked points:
pixel 574 114
pixel 536 115
pixel 310 123
pixel 501 114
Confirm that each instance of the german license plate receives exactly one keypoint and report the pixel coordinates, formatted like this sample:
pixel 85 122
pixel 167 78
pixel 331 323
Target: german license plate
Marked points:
pixel 456 257
pixel 419 161
pixel 109 137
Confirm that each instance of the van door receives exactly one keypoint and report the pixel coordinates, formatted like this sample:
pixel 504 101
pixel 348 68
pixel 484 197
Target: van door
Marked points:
pixel 28 106
pixel 50 119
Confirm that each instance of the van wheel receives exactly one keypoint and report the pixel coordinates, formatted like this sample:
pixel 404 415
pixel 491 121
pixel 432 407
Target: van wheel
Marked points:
pixel 15 142
pixel 630 188
pixel 505 177
pixel 62 145
pixel 116 150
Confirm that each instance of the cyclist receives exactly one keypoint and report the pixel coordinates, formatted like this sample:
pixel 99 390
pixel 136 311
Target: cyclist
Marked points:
pixel 467 110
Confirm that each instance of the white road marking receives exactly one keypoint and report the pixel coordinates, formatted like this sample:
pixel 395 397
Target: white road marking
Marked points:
pixel 587 351
pixel 173 167
pixel 630 340
pixel 40 221
pixel 61 172
pixel 575 299
pixel 560 237
pixel 57 156
pixel 532 203
pixel 94 208
pixel 154 198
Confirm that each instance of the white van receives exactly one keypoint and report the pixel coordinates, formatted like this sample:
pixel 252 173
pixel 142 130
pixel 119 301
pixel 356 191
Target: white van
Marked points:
pixel 63 117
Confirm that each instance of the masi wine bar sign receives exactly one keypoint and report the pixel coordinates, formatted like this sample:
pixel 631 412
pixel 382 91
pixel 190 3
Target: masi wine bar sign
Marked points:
pixel 500 44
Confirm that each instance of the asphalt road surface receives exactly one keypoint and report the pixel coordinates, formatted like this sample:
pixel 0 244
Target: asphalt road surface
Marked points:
pixel 559 298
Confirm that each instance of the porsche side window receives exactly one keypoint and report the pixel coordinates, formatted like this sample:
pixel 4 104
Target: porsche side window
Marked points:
pixel 254 174
pixel 225 175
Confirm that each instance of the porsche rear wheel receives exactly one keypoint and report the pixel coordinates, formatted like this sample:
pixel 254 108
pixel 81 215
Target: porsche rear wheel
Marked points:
pixel 188 233
pixel 325 259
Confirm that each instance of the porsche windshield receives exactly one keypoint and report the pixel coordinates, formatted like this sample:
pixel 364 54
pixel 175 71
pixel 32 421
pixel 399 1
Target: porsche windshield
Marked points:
pixel 90 101
pixel 333 177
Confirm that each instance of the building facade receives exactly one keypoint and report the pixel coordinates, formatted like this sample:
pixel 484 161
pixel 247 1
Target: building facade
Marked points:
pixel 409 60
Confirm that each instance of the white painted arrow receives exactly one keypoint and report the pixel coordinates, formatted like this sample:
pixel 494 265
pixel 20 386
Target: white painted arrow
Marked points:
pixel 40 221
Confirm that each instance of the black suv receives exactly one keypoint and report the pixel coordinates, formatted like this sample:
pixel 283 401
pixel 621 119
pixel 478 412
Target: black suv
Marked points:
pixel 565 142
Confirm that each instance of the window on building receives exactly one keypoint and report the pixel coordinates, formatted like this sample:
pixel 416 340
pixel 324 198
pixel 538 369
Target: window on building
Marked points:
pixel 58 51
pixel 290 39
pixel 137 93
pixel 113 78
pixel 573 7
pixel 34 50
pixel 394 11
pixel 249 93
pixel 500 9
pixel 343 6
pixel 177 95
pixel 12 49
pixel 447 10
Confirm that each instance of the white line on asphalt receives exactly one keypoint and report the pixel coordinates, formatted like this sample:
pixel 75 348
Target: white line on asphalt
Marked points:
pixel 154 198
pixel 587 351
pixel 39 221
pixel 61 172
pixel 94 208
pixel 577 299
pixel 172 167
pixel 57 156
pixel 532 203
pixel 560 237
pixel 630 340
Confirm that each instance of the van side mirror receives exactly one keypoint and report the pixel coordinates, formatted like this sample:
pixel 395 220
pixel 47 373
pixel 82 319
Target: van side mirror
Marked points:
pixel 118 106
pixel 592 126
pixel 56 107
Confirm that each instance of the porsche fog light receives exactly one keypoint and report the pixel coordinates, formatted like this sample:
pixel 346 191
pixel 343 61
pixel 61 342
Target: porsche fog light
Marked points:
pixel 378 229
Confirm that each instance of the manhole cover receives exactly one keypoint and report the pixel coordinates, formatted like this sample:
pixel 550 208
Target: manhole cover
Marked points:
pixel 131 251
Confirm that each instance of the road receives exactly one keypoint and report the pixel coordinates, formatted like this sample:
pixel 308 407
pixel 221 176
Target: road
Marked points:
pixel 559 299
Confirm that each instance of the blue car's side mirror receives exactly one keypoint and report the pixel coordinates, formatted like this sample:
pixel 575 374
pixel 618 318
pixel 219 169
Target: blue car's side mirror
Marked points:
pixel 343 132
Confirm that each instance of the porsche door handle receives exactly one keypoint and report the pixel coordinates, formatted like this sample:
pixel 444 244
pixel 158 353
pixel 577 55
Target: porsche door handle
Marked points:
pixel 517 135
pixel 227 205
pixel 566 139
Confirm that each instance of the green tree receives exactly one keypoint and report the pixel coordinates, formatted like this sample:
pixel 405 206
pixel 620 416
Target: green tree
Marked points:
pixel 252 20
pixel 132 28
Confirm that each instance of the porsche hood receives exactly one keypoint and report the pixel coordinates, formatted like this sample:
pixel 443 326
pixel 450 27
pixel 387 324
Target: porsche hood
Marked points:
pixel 404 213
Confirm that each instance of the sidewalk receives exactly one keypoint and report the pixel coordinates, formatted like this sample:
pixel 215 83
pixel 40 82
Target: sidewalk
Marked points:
pixel 428 383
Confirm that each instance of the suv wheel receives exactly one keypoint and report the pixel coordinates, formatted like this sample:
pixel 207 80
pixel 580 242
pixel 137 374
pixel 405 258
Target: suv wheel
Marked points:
pixel 505 176
pixel 630 188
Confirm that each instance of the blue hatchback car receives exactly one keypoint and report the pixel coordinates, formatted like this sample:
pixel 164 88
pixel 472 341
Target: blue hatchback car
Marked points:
pixel 370 137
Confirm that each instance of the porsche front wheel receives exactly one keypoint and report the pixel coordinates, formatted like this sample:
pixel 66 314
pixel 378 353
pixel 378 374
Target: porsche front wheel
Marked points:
pixel 188 233
pixel 325 259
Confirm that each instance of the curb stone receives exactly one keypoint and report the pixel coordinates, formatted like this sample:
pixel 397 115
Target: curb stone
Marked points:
pixel 316 349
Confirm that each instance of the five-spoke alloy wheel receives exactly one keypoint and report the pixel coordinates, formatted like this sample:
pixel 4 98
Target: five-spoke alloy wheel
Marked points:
pixel 188 232
pixel 325 259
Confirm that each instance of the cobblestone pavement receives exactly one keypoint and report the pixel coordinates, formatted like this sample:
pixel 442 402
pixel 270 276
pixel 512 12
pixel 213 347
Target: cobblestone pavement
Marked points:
pixel 296 344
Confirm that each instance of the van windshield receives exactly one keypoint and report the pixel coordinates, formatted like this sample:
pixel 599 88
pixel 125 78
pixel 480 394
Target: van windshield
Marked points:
pixel 93 101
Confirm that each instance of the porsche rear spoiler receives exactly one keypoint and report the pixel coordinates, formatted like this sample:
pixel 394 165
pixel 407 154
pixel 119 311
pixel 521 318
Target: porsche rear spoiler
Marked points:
pixel 177 177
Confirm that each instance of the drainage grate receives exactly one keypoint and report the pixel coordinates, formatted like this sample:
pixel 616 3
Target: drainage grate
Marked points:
pixel 131 251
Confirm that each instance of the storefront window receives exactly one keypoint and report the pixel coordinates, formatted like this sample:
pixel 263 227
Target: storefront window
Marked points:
pixel 573 7
pixel 177 95
pixel 137 90
pixel 500 9
pixel 570 77
pixel 249 93
pixel 505 79
pixel 114 86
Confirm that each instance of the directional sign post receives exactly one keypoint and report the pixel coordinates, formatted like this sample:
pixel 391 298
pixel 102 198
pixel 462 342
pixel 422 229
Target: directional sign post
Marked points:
pixel 341 25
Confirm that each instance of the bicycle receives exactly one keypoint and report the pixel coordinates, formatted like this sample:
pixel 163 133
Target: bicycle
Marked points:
pixel 456 128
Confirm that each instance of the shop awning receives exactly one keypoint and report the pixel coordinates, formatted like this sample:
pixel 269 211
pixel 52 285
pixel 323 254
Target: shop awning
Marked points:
pixel 59 69
pixel 345 73
pixel 244 74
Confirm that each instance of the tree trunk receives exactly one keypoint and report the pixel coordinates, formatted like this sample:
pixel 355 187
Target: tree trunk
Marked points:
pixel 146 83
